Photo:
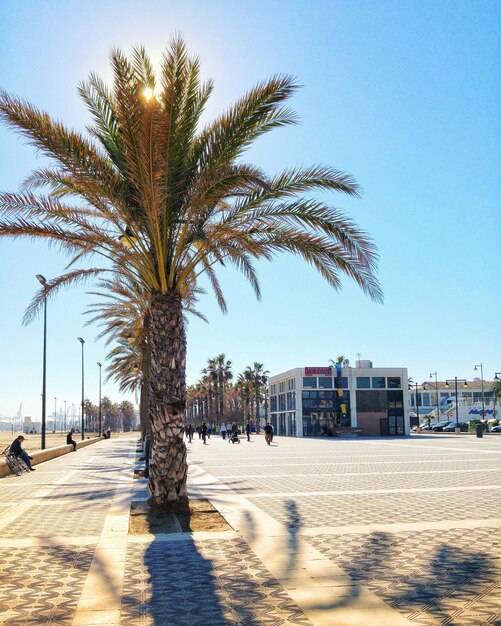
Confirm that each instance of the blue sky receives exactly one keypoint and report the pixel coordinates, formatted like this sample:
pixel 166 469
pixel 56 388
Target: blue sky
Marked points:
pixel 402 95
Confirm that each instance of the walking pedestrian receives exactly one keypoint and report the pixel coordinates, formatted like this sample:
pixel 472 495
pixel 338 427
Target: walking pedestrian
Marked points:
pixel 223 430
pixel 268 433
pixel 248 430
pixel 203 430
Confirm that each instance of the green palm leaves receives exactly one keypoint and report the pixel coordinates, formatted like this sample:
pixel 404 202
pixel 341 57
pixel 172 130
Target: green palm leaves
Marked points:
pixel 184 193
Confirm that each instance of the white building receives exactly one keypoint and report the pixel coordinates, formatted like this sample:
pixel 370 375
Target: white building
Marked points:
pixel 472 399
pixel 313 401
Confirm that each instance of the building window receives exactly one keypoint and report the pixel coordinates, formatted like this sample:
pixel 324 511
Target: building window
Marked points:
pixel 325 382
pixel 378 382
pixel 477 396
pixel 395 399
pixel 291 384
pixel 281 387
pixel 309 382
pixel 426 399
pixel 363 382
pixel 372 401
pixel 281 402
pixel 291 400
pixel 341 382
pixel 273 404
pixel 394 382
pixel 273 390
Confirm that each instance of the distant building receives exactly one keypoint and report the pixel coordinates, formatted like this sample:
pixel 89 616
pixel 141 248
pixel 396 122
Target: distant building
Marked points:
pixel 469 401
pixel 315 401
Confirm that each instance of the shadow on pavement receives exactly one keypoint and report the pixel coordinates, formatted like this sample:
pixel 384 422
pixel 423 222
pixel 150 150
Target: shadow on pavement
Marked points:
pixel 184 588
pixel 439 585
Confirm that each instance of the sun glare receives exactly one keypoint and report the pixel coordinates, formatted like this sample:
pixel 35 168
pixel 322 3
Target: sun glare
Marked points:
pixel 148 93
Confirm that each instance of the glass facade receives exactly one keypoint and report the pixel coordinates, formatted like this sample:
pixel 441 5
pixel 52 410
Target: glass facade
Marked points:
pixel 325 382
pixel 325 403
pixel 394 382
pixel 281 402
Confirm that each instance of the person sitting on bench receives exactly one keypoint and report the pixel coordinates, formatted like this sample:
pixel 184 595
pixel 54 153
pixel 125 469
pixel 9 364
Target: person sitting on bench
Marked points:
pixel 17 451
pixel 70 440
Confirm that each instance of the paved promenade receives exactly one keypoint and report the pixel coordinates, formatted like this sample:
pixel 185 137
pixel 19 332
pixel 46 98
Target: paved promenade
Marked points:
pixel 326 532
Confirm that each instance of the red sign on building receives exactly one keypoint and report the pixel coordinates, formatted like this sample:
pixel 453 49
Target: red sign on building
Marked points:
pixel 318 371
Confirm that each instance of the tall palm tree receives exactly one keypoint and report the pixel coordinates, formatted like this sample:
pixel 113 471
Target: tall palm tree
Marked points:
pixel 258 377
pixel 224 375
pixel 246 384
pixel 164 201
pixel 210 375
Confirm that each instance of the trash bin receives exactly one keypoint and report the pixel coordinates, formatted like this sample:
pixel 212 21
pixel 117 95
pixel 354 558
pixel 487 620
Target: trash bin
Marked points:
pixel 479 430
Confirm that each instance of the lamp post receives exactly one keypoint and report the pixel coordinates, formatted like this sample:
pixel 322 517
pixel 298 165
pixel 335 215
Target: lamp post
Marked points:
pixel 42 280
pixel 455 380
pixel 55 413
pixel 65 415
pixel 100 414
pixel 83 400
pixel 436 389
pixel 481 366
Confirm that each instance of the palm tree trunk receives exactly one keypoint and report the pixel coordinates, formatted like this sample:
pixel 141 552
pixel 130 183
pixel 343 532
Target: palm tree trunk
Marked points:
pixel 221 396
pixel 168 468
pixel 257 400
pixel 145 378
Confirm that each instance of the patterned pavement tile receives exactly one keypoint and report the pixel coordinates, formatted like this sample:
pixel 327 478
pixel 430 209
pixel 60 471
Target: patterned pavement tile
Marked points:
pixel 383 508
pixel 212 582
pixel 64 520
pixel 339 482
pixel 42 585
pixel 431 577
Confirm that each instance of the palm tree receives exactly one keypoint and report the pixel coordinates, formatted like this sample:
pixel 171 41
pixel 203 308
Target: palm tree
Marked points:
pixel 224 375
pixel 496 391
pixel 258 378
pixel 210 376
pixel 164 201
pixel 244 385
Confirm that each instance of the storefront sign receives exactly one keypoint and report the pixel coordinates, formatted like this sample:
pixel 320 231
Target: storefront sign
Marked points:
pixel 318 371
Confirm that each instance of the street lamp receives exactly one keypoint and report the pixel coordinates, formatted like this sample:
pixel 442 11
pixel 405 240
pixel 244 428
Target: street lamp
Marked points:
pixel 65 415
pixel 83 401
pixel 43 282
pixel 455 380
pixel 481 366
pixel 436 389
pixel 100 366
pixel 55 413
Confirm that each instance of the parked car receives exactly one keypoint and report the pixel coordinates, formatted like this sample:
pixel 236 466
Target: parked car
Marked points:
pixel 439 426
pixel 452 426
pixel 496 429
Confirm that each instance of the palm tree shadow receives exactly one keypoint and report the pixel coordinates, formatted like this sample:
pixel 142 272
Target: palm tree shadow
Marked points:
pixel 185 588
pixel 429 587
pixel 293 527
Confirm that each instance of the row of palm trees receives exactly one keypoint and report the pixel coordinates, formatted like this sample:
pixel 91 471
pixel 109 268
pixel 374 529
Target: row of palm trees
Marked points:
pixel 149 200
pixel 216 399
